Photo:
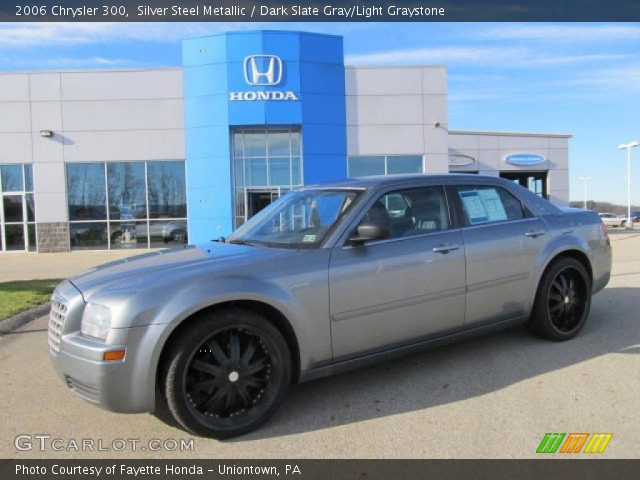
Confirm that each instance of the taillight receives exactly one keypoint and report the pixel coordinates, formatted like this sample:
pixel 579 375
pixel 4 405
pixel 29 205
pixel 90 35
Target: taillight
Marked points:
pixel 605 233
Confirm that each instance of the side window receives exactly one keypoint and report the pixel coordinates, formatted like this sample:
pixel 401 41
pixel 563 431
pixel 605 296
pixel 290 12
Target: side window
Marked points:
pixel 411 211
pixel 485 204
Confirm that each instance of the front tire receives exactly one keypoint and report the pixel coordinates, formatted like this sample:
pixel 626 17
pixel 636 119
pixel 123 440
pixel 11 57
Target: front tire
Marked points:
pixel 226 374
pixel 562 302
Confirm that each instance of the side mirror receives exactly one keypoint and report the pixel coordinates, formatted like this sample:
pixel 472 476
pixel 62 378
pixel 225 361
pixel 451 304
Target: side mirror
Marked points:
pixel 371 231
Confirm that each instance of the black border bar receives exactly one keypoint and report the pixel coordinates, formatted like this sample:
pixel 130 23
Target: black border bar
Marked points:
pixel 319 11
pixel 547 469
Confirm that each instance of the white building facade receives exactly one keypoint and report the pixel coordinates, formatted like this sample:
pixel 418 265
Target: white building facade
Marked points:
pixel 148 157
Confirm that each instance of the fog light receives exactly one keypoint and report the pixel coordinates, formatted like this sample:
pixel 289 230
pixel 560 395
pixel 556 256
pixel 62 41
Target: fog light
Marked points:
pixel 113 355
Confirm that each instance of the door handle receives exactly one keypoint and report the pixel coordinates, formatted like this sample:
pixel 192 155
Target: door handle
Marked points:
pixel 446 248
pixel 535 233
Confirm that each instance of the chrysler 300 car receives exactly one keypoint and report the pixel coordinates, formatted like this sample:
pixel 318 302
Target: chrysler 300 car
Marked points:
pixel 324 279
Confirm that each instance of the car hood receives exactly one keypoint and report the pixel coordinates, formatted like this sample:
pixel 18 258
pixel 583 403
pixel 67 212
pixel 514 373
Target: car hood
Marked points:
pixel 149 269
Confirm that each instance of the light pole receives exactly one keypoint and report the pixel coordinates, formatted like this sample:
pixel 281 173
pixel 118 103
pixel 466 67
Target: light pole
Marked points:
pixel 628 147
pixel 585 180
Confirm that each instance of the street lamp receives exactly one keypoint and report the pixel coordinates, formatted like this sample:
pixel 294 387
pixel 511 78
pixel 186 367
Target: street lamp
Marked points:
pixel 585 180
pixel 628 147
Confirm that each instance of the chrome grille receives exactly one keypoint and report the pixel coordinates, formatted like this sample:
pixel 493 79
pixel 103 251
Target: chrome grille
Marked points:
pixel 56 322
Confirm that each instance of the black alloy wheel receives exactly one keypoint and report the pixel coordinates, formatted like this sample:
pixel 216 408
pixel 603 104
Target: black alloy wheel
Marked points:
pixel 566 300
pixel 562 302
pixel 228 374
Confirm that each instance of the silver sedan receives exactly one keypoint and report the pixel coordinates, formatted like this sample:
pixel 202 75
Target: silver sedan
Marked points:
pixel 324 279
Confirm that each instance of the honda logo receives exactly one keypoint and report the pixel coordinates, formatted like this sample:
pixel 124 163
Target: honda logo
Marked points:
pixel 263 70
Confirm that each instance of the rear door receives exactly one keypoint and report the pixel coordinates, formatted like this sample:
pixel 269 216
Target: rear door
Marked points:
pixel 404 288
pixel 502 242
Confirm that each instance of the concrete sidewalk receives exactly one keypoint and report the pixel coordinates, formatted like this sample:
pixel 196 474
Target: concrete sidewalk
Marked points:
pixel 32 266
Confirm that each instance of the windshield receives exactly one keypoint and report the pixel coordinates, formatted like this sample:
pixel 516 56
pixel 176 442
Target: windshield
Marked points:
pixel 297 220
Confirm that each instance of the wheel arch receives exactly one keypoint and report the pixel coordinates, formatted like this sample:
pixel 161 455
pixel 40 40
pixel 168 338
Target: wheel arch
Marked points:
pixel 271 313
pixel 574 253
pixel 571 252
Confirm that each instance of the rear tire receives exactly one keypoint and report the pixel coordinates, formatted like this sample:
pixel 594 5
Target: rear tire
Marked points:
pixel 226 374
pixel 562 302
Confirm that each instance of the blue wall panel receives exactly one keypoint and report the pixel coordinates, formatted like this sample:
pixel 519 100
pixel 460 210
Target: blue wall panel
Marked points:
pixel 324 168
pixel 204 80
pixel 322 108
pixel 207 111
pixel 213 68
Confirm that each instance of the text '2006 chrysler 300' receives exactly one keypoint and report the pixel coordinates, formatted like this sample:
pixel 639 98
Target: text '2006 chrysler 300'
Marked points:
pixel 324 279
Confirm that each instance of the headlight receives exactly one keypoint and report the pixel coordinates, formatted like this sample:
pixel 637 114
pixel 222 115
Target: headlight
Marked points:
pixel 96 321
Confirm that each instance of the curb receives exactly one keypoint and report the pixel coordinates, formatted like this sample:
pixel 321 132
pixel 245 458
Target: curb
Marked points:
pixel 19 319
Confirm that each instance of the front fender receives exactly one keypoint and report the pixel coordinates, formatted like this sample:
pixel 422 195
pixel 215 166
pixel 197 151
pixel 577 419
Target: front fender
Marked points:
pixel 301 295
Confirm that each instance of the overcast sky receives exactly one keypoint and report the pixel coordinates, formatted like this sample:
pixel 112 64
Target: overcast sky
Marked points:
pixel 582 79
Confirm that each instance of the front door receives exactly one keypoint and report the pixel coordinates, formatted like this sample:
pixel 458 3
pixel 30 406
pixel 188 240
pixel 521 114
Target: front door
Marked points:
pixel 502 243
pixel 257 200
pixel 402 289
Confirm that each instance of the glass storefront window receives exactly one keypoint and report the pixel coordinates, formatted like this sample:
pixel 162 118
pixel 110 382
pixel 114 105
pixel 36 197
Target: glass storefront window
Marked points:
pixel 128 234
pixel 28 178
pixel 366 166
pixel 86 192
pixel 265 163
pixel 12 180
pixel 136 194
pixel 404 164
pixel 168 232
pixel 88 235
pixel 167 189
pixel 373 165
pixel 31 207
pixel 278 144
pixel 126 189
pixel 14 237
pixel 31 234
pixel 280 171
pixel 17 208
pixel 534 181
pixel 255 171
pixel 13 211
pixel 255 144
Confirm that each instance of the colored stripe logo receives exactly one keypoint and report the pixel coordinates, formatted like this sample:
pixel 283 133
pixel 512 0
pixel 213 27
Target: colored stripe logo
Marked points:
pixel 574 442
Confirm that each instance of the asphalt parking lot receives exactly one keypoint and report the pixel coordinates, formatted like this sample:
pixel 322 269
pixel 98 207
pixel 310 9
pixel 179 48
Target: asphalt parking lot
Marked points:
pixel 490 397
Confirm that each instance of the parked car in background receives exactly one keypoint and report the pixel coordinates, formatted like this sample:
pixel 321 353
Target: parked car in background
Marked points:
pixel 175 231
pixel 612 220
pixel 635 216
pixel 136 233
pixel 324 279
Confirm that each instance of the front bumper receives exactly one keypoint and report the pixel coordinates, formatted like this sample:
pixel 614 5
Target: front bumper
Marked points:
pixel 127 385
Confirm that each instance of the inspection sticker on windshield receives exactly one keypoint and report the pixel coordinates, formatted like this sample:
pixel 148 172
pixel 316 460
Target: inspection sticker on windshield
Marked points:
pixel 309 238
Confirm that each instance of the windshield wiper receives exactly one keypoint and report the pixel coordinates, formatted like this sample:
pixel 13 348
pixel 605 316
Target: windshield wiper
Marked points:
pixel 242 242
pixel 219 240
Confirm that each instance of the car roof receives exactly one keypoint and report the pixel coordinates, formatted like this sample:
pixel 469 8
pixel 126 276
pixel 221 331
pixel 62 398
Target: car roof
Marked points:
pixel 365 183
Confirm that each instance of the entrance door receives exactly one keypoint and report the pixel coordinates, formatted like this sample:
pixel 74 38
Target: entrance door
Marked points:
pixel 534 181
pixel 259 199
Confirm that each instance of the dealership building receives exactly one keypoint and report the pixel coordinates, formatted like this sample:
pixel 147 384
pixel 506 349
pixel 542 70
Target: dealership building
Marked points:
pixel 151 157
